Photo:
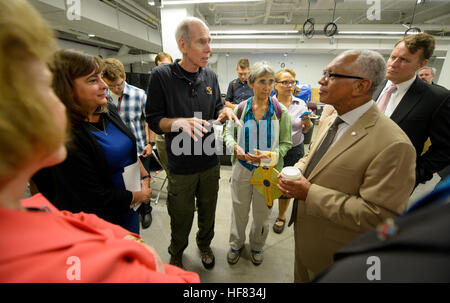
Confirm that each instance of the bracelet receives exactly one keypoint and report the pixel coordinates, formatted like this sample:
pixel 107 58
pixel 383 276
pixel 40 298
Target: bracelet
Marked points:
pixel 152 143
pixel 145 177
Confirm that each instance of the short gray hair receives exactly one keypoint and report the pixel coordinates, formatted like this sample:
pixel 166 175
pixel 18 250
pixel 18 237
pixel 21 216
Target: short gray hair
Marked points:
pixel 260 69
pixel 433 70
pixel 182 30
pixel 369 64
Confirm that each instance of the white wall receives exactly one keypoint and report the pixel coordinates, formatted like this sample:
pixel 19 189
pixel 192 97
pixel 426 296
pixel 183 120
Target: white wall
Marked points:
pixel 308 68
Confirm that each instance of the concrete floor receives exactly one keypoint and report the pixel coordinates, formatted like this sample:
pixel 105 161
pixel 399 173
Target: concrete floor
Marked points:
pixel 278 253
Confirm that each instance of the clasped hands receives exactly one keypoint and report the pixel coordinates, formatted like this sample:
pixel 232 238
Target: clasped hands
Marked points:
pixel 248 157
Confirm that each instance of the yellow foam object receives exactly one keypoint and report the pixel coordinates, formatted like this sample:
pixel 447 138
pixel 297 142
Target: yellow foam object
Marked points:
pixel 269 162
pixel 265 181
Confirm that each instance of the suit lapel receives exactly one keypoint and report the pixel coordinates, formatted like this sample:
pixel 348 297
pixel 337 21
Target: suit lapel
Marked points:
pixel 409 100
pixel 352 135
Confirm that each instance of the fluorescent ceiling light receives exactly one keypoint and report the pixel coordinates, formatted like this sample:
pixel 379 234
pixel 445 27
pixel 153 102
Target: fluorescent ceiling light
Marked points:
pixel 254 37
pixel 252 32
pixel 369 33
pixel 178 2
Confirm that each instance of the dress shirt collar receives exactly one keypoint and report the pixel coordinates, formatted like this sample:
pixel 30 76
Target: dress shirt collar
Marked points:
pixel 401 87
pixel 352 116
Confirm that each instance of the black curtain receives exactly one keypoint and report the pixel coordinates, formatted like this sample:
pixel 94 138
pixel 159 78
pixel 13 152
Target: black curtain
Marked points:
pixel 138 80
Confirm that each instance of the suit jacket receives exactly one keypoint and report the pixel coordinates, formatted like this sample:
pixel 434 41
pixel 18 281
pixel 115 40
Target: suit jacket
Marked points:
pixel 424 113
pixel 416 252
pixel 364 178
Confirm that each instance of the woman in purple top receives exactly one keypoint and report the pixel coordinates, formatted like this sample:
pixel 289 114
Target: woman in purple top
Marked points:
pixel 284 89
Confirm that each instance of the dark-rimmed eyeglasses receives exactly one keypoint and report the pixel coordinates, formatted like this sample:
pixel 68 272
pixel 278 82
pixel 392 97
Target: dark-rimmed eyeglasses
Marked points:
pixel 117 86
pixel 287 83
pixel 327 75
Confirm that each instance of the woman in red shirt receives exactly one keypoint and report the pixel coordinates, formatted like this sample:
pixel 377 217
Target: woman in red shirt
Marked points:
pixel 38 243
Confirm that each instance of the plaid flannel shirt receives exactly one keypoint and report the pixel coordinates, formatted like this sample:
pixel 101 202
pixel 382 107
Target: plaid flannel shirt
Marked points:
pixel 132 111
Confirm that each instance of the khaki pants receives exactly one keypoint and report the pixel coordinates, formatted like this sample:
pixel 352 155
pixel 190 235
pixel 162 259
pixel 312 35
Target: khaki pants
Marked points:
pixel 245 195
pixel 183 190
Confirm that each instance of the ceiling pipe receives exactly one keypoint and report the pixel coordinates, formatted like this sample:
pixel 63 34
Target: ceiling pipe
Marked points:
pixel 268 9
pixel 220 19
pixel 143 10
pixel 130 59
pixel 136 14
pixel 124 50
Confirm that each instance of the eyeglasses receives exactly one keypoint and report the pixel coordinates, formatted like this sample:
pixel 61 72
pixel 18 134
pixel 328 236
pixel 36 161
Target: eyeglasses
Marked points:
pixel 117 86
pixel 327 76
pixel 264 82
pixel 288 83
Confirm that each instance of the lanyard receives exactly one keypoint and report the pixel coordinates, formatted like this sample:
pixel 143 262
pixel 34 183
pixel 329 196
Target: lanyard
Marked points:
pixel 119 101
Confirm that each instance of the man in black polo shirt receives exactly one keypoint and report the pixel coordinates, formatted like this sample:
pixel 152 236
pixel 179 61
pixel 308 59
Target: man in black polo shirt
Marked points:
pixel 238 89
pixel 183 100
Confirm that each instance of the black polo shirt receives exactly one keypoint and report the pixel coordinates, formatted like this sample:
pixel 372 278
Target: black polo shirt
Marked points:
pixel 176 93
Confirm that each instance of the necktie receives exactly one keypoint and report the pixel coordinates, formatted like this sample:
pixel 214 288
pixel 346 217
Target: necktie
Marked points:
pixel 316 158
pixel 382 104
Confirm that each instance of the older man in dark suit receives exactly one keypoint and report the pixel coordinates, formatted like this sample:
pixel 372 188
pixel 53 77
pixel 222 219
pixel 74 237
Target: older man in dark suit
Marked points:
pixel 421 110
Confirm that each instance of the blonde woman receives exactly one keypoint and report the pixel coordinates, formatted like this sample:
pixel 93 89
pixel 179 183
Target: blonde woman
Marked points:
pixel 284 89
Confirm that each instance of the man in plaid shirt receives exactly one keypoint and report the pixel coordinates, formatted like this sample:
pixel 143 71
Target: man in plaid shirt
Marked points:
pixel 130 102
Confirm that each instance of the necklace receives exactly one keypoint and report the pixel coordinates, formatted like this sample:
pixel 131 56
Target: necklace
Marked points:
pixel 104 126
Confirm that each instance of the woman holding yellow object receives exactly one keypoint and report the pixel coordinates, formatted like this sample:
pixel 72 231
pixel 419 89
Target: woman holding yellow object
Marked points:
pixel 266 127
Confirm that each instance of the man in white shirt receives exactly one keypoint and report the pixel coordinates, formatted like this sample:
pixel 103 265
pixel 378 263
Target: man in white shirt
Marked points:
pixel 420 109
pixel 358 172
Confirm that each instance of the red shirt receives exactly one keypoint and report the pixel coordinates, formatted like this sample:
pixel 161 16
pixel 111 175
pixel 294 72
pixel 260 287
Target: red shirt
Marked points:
pixel 59 246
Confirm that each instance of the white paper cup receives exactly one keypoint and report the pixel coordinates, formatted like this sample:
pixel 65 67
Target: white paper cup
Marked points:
pixel 291 173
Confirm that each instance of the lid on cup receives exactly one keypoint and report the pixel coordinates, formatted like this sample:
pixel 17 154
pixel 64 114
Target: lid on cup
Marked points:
pixel 291 172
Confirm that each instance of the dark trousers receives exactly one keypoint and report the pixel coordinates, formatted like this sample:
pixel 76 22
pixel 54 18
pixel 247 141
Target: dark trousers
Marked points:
pixel 183 191
pixel 145 208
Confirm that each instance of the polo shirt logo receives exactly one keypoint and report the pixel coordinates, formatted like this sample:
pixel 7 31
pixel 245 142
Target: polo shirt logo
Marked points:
pixel 208 90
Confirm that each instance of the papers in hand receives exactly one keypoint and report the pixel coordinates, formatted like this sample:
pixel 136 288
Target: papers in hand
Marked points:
pixel 132 179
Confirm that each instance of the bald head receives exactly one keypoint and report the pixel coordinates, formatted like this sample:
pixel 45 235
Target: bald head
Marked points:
pixel 183 30
pixel 366 63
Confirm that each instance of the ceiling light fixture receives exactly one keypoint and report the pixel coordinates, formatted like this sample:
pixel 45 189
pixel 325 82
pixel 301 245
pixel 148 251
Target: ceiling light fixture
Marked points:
pixel 155 3
pixel 251 32
pixel 178 2
pixel 369 33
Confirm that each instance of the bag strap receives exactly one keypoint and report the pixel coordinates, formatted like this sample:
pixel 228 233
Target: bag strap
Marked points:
pixel 241 107
pixel 276 106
